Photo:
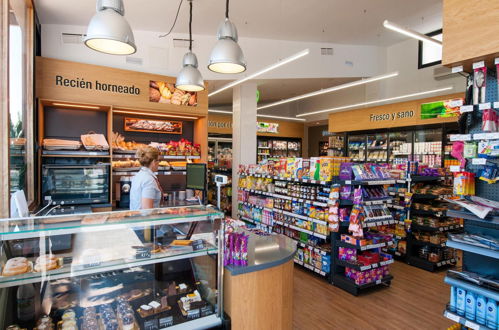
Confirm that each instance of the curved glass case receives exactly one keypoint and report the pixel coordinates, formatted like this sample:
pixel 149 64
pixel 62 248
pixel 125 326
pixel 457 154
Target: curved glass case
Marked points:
pixel 149 269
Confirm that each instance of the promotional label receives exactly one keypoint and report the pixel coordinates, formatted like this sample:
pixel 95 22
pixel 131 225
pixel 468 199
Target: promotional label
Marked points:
pixel 96 85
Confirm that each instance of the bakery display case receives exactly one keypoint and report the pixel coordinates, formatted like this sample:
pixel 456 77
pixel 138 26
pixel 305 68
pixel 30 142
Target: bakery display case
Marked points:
pixel 149 269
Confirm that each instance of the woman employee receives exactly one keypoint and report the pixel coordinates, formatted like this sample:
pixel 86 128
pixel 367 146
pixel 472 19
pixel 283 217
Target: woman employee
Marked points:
pixel 146 192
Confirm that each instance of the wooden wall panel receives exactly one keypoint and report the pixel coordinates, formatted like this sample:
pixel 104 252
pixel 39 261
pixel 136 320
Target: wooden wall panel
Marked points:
pixel 360 119
pixel 222 124
pixel 470 29
pixel 46 88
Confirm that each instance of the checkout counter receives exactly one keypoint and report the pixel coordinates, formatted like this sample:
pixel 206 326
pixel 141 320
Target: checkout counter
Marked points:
pixel 260 295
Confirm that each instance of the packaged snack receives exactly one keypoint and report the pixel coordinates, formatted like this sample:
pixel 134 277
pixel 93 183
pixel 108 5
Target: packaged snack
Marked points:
pixel 314 168
pixel 306 169
pixel 298 170
pixel 326 169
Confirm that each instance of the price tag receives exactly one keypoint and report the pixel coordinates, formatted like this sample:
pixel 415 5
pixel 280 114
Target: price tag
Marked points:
pixel 166 322
pixel 466 108
pixel 496 61
pixel 457 69
pixel 460 137
pixel 455 168
pixel 378 282
pixel 471 325
pixel 479 161
pixel 496 105
pixel 486 136
pixel 456 103
pixel 452 317
pixel 348 182
pixel 484 106
pixel 478 65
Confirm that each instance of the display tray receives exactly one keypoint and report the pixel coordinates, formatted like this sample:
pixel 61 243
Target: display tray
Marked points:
pixel 68 224
pixel 136 287
pixel 81 153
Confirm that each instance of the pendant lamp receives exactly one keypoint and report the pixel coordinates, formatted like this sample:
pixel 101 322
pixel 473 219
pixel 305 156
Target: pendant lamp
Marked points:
pixel 227 56
pixel 189 78
pixel 108 31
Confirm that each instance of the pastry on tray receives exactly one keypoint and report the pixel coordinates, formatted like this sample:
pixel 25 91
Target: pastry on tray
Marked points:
pixel 154 307
pixel 16 266
pixel 136 294
pixel 47 262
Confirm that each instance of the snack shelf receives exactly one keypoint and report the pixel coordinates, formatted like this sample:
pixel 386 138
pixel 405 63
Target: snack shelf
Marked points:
pixel 421 178
pixel 310 267
pixel 132 156
pixel 373 222
pixel 397 207
pixel 377 201
pixel 415 226
pixel 427 213
pixel 265 193
pixel 361 268
pixel 321 182
pixel 473 249
pixel 464 321
pixel 256 222
pixel 36 227
pixel 416 242
pixel 349 285
pixel 429 265
pixel 379 182
pixel 316 249
pixel 364 247
pixel 69 271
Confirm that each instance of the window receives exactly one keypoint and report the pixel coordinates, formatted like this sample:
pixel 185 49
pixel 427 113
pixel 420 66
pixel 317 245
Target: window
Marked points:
pixel 430 54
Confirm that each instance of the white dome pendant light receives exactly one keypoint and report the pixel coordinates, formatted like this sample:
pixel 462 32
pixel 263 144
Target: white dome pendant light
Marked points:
pixel 189 78
pixel 108 31
pixel 227 56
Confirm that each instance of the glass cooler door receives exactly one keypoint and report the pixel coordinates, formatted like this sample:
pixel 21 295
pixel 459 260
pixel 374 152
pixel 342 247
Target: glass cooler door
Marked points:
pixel 428 147
pixel 76 184
pixel 377 147
pixel 400 147
pixel 357 148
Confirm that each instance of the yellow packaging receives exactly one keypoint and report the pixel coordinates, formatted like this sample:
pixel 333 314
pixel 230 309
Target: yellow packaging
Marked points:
pixel 290 167
pixel 326 169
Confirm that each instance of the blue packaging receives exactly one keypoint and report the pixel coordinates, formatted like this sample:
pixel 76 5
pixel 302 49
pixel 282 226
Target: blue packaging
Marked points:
pixel 491 314
pixel 452 303
pixel 460 301
pixel 470 306
pixel 481 303
pixel 326 263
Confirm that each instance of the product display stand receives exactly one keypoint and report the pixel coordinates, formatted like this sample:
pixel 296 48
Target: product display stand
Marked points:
pixel 426 245
pixel 470 290
pixel 340 266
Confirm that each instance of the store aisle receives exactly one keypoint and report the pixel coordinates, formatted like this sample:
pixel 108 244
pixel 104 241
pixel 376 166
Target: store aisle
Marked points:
pixel 415 300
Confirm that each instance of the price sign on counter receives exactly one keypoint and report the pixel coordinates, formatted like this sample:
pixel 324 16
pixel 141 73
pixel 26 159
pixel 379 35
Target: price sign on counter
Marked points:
pixel 478 65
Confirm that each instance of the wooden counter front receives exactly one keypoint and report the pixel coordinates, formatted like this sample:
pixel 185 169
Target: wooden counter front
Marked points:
pixel 261 299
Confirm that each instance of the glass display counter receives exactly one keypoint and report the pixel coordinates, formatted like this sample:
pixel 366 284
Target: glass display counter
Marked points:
pixel 357 147
pixel 149 269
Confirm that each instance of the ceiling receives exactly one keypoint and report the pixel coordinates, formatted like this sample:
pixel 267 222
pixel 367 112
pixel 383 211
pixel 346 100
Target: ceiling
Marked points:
pixel 276 89
pixel 336 21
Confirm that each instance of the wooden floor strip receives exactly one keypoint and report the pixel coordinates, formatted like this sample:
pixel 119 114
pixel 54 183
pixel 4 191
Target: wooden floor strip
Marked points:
pixel 415 300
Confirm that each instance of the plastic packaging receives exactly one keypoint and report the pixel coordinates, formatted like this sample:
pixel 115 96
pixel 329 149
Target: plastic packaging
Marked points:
pixel 491 314
pixel 481 303
pixel 460 301
pixel 470 306
pixel 452 303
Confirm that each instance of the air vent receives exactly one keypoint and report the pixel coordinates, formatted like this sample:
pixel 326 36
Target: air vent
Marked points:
pixel 181 43
pixel 327 51
pixel 72 38
pixel 134 60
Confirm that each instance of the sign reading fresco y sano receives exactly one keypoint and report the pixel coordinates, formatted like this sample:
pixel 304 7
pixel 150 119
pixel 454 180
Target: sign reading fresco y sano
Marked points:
pixel 86 83
pixel 432 110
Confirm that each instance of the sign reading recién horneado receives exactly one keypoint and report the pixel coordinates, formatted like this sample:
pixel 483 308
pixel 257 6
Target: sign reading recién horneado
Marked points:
pixel 96 85
pixel 391 116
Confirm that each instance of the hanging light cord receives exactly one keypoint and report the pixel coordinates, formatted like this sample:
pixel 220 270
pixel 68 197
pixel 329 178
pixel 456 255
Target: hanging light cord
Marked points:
pixel 174 22
pixel 190 25
pixel 227 9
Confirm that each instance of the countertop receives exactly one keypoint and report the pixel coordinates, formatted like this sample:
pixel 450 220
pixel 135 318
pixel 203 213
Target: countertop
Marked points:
pixel 265 252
